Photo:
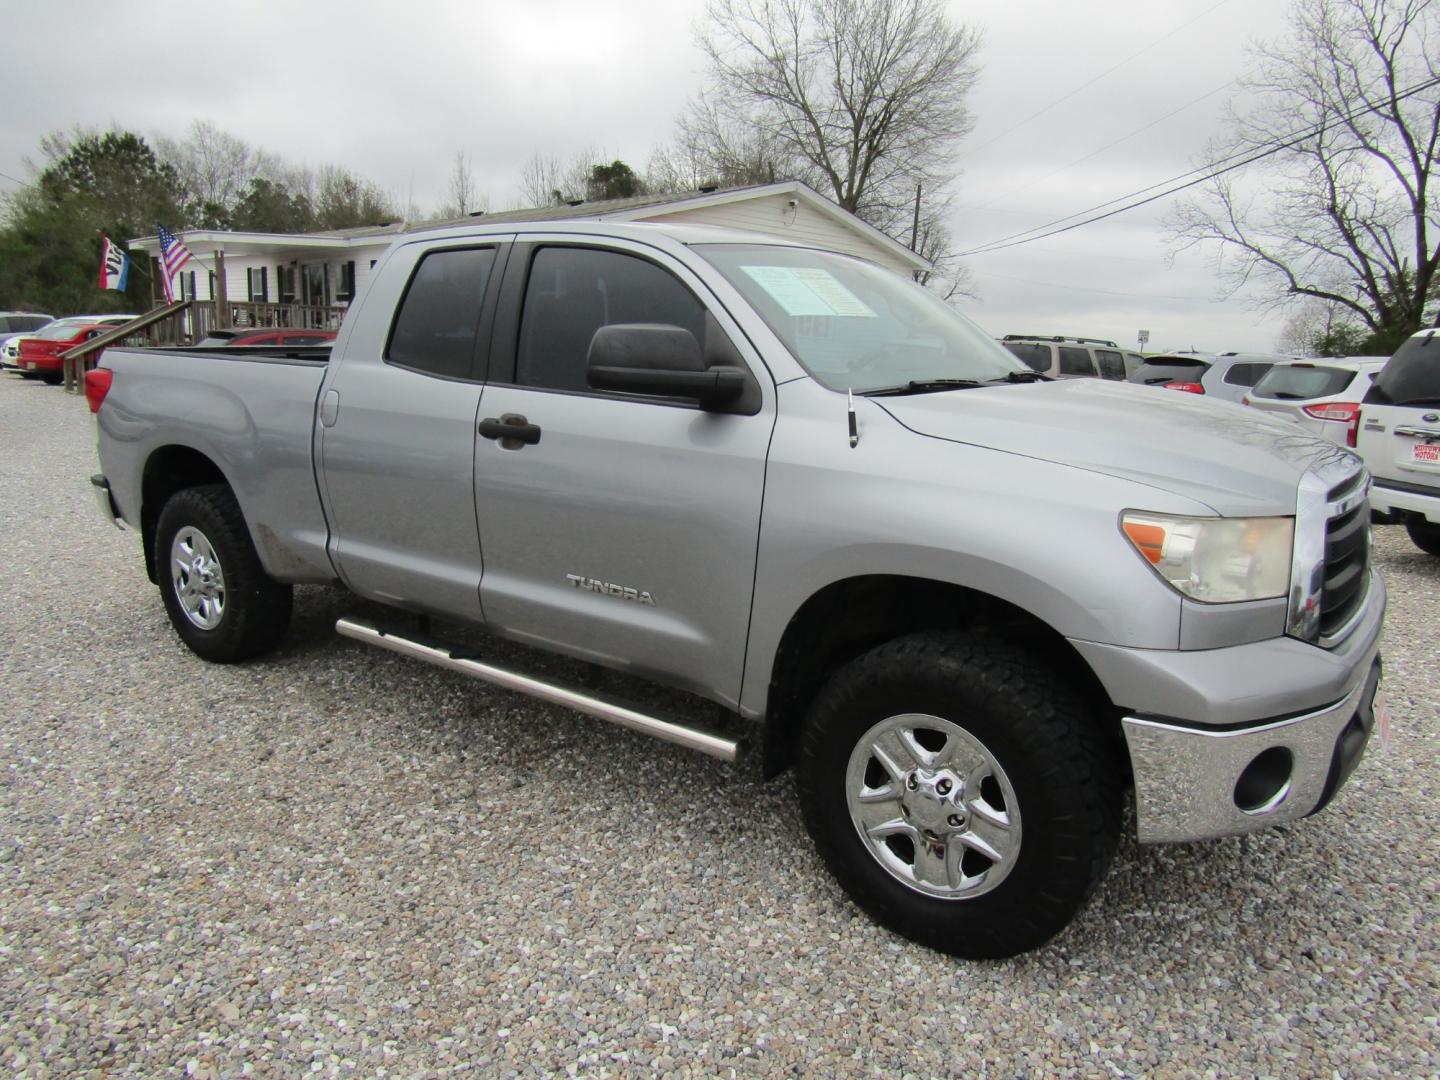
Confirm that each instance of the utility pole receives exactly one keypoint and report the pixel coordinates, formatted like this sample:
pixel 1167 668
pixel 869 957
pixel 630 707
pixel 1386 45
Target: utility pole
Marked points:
pixel 915 227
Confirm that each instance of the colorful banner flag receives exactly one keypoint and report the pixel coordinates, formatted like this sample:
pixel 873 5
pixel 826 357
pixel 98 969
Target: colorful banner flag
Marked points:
pixel 114 265
pixel 173 255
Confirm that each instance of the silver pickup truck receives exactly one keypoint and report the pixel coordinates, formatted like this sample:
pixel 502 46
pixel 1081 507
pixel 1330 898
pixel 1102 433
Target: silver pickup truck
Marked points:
pixel 973 607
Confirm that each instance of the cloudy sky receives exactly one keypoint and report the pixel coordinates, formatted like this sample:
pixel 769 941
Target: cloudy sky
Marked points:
pixel 1077 104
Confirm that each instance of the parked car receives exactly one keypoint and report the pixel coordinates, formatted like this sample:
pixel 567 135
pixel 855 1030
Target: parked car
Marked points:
pixel 1322 396
pixel 1073 357
pixel 970 605
pixel 265 336
pixel 1226 376
pixel 1399 438
pixel 13 326
pixel 39 353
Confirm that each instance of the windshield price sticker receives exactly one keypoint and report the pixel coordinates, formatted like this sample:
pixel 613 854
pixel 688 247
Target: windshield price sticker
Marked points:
pixel 808 291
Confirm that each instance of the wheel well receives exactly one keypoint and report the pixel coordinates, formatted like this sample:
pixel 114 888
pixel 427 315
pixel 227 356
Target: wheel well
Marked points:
pixel 170 469
pixel 853 616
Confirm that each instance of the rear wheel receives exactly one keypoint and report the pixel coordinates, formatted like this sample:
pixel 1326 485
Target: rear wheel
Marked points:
pixel 216 592
pixel 1425 535
pixel 52 378
pixel 960 792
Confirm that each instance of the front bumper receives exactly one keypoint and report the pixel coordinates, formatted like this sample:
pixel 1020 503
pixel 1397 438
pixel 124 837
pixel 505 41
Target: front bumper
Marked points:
pixel 1192 784
pixel 1197 721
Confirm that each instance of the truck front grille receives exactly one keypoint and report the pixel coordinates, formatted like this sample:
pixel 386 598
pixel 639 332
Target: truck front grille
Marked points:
pixel 1347 555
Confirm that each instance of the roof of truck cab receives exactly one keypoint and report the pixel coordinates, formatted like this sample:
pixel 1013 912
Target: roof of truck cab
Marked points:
pixel 686 234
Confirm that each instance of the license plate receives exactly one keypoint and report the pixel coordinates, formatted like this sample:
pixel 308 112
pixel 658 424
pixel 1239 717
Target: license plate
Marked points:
pixel 30 365
pixel 1382 719
pixel 1425 453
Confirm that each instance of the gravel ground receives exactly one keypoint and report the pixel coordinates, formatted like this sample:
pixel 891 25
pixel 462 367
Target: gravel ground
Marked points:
pixel 341 862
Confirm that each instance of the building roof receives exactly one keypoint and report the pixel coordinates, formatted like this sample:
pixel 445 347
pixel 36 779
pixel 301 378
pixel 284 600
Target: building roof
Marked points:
pixel 636 208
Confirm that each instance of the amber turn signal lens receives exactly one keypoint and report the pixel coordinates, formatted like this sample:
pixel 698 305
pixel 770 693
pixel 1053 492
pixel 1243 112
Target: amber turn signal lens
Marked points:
pixel 1149 539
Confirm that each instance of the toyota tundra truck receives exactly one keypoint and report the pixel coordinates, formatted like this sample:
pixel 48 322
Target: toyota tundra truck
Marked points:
pixel 975 609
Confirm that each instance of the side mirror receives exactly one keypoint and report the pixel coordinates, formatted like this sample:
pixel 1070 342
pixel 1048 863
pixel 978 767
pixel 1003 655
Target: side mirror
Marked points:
pixel 661 361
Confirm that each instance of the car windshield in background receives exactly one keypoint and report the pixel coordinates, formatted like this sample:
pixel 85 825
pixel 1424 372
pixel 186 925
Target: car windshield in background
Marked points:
pixel 1288 382
pixel 1412 375
pixel 58 331
pixel 854 325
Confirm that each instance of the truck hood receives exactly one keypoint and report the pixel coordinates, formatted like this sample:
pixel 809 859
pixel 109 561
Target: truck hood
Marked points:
pixel 1232 459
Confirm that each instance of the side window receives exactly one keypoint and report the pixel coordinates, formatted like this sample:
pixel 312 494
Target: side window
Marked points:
pixel 572 292
pixel 1245 374
pixel 1075 362
pixel 1036 357
pixel 435 329
pixel 1112 364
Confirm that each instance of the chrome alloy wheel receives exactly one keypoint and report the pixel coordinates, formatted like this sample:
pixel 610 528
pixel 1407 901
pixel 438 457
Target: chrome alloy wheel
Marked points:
pixel 198 580
pixel 933 806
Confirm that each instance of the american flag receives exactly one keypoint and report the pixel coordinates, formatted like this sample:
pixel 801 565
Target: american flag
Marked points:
pixel 173 255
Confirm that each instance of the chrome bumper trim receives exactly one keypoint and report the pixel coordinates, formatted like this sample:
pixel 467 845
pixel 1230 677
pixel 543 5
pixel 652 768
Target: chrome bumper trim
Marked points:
pixel 1185 777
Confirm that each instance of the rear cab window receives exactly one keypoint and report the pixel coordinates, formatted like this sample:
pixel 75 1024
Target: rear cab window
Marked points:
pixel 438 320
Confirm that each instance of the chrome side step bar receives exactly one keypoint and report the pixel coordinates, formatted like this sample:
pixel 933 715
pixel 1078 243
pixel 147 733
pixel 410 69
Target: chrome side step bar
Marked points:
pixel 601 706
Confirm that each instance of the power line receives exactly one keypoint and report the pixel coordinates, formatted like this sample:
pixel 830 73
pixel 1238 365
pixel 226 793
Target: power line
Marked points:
pixel 1101 292
pixel 1208 172
pixel 1091 82
pixel 1101 150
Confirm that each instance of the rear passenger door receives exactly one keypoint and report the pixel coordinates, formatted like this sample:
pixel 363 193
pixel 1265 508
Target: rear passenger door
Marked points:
pixel 397 430
pixel 1075 362
pixel 626 534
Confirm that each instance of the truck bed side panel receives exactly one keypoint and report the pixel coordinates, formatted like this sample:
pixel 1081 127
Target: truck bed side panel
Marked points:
pixel 252 417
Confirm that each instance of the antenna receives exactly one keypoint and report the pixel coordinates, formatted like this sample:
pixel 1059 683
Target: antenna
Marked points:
pixel 854 427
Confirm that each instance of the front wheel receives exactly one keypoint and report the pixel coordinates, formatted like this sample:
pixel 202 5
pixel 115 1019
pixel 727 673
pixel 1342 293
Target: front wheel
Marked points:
pixel 960 792
pixel 216 592
pixel 1425 535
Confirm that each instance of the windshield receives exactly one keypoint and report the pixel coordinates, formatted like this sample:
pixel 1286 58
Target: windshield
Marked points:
pixel 65 328
pixel 1412 375
pixel 854 325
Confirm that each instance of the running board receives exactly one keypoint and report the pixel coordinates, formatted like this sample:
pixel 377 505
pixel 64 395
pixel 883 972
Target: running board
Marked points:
pixel 603 707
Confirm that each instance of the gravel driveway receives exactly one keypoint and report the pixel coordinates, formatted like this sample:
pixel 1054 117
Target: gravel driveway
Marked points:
pixel 342 862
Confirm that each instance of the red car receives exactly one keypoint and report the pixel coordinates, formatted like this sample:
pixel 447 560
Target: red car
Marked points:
pixel 228 338
pixel 39 354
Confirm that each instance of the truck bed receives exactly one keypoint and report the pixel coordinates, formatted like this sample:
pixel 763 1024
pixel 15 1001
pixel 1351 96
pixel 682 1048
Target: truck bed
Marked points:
pixel 252 412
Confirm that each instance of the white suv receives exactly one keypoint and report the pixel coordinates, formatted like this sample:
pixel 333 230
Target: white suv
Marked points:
pixel 1399 439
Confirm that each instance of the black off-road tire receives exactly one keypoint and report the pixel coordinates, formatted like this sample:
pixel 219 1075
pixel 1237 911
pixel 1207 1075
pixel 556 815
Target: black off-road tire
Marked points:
pixel 1064 773
pixel 1425 535
pixel 256 609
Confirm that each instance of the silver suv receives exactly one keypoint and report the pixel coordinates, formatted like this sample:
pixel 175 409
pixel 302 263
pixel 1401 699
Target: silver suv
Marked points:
pixel 1220 375
pixel 1073 357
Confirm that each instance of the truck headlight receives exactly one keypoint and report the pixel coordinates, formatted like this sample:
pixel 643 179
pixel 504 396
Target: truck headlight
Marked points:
pixel 1215 560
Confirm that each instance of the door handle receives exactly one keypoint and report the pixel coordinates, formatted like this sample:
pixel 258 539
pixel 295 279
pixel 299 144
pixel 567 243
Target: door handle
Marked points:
pixel 512 429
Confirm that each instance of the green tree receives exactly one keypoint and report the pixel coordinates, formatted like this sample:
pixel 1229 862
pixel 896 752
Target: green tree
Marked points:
pixel 614 181
pixel 269 207
pixel 50 245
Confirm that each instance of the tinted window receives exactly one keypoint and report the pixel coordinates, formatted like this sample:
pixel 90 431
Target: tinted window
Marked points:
pixel 1075 362
pixel 572 292
pixel 1112 364
pixel 1246 374
pixel 1036 357
pixel 440 314
pixel 1411 376
pixel 1298 383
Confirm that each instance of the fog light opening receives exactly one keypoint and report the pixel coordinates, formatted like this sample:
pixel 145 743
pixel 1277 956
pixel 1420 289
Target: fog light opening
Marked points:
pixel 1266 781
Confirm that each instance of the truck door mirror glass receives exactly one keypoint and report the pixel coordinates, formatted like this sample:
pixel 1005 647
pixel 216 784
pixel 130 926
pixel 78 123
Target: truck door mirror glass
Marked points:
pixel 658 360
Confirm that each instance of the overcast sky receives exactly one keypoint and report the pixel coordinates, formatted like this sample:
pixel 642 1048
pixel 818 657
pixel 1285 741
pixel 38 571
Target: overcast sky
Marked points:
pixel 393 91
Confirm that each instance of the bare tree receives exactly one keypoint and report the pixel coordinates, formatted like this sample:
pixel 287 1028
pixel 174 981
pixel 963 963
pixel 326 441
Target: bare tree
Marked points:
pixel 1343 212
pixel 862 99
pixel 215 170
pixel 463 198
pixel 547 181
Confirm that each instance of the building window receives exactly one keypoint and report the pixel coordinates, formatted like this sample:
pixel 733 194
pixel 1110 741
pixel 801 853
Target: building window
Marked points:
pixel 257 280
pixel 285 283
pixel 346 292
